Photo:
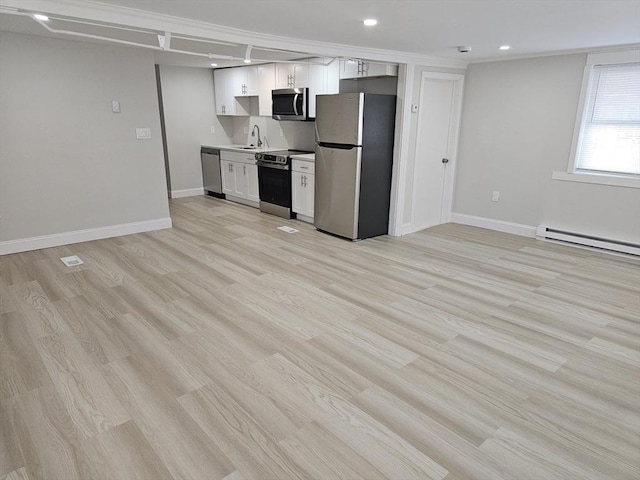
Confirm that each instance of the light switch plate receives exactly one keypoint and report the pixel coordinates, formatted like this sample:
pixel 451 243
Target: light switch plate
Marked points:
pixel 115 106
pixel 143 133
pixel 212 128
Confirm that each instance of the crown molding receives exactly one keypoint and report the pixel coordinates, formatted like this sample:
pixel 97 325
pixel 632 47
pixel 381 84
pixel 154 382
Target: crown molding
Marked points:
pixel 605 49
pixel 100 12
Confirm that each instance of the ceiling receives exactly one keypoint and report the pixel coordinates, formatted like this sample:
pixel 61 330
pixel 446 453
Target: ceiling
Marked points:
pixel 428 28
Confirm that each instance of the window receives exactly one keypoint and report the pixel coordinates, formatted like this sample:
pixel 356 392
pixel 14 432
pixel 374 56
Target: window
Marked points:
pixel 608 125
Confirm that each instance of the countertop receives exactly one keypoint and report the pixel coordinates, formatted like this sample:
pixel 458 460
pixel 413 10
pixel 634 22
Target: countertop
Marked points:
pixel 308 157
pixel 242 148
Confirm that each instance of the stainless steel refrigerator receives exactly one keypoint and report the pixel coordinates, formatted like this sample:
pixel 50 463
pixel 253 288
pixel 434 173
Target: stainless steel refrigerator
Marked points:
pixel 354 157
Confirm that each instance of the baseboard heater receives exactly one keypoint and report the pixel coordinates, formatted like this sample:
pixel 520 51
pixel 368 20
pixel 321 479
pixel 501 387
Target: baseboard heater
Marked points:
pixel 547 233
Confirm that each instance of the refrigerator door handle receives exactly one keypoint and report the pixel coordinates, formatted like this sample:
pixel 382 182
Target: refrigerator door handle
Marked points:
pixel 340 146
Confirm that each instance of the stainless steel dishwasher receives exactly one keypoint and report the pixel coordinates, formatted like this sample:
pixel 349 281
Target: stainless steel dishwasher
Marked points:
pixel 211 177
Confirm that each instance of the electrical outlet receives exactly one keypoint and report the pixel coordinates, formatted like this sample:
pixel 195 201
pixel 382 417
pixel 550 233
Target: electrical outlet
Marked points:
pixel 495 196
pixel 212 128
pixel 281 132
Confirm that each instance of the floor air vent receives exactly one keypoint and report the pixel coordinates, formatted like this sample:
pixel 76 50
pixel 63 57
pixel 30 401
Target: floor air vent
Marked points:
pixel 547 233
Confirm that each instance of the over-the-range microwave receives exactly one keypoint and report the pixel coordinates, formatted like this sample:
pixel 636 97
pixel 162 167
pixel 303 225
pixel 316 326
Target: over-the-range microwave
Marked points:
pixel 290 104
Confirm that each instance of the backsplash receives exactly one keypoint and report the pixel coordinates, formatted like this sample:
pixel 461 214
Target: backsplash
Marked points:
pixel 275 134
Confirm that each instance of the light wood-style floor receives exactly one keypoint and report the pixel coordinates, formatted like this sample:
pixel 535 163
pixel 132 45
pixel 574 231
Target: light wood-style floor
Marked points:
pixel 227 349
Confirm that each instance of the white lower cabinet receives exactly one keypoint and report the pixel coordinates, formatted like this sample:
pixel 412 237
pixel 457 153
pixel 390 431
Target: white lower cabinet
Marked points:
pixel 240 178
pixel 303 188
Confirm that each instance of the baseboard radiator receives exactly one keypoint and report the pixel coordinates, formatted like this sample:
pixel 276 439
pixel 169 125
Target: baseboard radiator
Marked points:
pixel 544 232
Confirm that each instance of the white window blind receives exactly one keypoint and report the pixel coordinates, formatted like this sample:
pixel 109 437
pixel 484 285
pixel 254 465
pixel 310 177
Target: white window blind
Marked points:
pixel 610 134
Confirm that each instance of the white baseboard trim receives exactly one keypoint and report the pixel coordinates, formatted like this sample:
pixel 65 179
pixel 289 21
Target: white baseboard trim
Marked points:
pixel 189 192
pixel 77 236
pixel 406 229
pixel 492 224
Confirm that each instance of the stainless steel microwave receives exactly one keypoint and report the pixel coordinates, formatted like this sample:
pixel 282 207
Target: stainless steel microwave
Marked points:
pixel 290 104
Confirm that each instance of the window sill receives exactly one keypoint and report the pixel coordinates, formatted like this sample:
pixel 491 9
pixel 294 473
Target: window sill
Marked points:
pixel 598 179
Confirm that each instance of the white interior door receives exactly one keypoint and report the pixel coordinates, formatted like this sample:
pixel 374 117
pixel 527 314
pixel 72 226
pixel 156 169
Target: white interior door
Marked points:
pixel 436 143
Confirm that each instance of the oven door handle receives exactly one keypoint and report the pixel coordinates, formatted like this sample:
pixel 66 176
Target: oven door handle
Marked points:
pixel 277 166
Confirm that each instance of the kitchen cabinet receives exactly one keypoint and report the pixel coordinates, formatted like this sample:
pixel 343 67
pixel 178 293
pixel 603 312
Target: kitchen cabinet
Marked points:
pixel 292 75
pixel 319 79
pixel 243 81
pixel 350 69
pixel 303 189
pixel 266 83
pixel 240 177
pixel 227 83
pixel 233 86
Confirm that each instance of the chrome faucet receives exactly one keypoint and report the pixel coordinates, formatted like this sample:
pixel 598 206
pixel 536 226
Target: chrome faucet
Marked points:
pixel 253 134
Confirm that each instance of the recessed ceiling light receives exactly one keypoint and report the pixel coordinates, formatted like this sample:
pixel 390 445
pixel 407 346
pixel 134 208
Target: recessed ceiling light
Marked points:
pixel 370 22
pixel 39 16
pixel 214 64
pixel 505 47
pixel 247 60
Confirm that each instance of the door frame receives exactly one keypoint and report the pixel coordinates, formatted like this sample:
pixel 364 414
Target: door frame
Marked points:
pixel 452 147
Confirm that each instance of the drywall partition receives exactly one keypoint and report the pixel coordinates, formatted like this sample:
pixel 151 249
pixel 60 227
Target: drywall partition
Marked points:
pixel 517 126
pixel 70 168
pixel 189 116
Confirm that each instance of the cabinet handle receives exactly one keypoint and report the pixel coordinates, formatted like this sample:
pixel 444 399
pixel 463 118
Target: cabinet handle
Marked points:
pixel 301 183
pixel 244 169
pixel 231 167
pixel 305 180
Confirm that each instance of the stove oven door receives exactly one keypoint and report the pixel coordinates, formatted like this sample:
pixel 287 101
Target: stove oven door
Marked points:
pixel 275 184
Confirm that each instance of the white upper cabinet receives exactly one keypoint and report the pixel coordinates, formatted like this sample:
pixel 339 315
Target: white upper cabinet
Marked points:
pixel 266 83
pixel 232 85
pixel 292 75
pixel 363 69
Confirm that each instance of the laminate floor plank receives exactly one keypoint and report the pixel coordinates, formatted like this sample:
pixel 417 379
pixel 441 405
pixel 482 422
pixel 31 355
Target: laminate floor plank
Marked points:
pixel 226 349
pixel 21 371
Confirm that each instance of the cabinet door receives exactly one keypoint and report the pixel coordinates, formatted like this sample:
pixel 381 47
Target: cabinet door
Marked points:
pixel 220 91
pixel 301 75
pixel 228 177
pixel 298 197
pixel 250 78
pixel 309 191
pixel 251 182
pixel 239 171
pixel 317 83
pixel 350 68
pixel 266 83
pixel 284 75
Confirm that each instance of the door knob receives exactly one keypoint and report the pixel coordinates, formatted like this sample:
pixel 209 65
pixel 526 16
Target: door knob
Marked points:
pixel 445 160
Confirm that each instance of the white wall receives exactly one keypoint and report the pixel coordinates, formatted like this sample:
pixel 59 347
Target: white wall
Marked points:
pixel 517 126
pixel 189 113
pixel 67 163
